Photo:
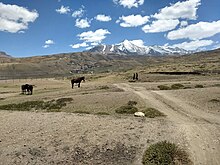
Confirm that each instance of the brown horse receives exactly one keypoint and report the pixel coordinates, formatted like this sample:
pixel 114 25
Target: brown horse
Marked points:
pixel 77 80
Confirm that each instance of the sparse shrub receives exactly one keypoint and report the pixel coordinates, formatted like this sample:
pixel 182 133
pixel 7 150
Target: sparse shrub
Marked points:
pixel 214 100
pixel 132 103
pixel 177 86
pixel 216 85
pixel 163 87
pixel 83 112
pixel 25 106
pixel 105 87
pixel 199 86
pixel 50 106
pixel 102 113
pixel 126 109
pixel 152 113
pixel 165 153
pixel 61 100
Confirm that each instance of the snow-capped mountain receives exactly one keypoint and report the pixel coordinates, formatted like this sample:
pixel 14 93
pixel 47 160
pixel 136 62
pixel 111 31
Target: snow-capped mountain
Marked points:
pixel 130 48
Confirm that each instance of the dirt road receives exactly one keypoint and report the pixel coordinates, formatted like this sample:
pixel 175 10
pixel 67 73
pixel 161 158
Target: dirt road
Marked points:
pixel 202 129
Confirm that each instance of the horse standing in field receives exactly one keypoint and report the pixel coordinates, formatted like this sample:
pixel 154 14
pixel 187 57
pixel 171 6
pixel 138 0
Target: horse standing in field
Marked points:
pixel 77 80
pixel 27 88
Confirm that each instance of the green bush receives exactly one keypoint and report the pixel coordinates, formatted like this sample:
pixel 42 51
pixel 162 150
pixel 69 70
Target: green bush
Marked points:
pixel 152 113
pixel 132 103
pixel 126 109
pixel 177 86
pixel 163 87
pixel 199 86
pixel 165 153
pixel 50 106
pixel 102 113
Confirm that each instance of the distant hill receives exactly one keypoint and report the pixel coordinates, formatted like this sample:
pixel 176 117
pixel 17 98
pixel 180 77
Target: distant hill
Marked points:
pixel 72 64
pixel 4 55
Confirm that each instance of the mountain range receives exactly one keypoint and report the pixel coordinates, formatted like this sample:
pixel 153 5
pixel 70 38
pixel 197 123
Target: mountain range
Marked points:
pixel 4 55
pixel 131 48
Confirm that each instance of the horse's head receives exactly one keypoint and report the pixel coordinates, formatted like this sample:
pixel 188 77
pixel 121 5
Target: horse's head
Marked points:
pixel 83 78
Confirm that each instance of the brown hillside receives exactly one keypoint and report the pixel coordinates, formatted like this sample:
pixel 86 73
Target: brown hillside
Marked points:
pixel 67 64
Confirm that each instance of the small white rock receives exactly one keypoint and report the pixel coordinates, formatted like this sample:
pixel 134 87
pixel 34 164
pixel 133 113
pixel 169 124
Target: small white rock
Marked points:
pixel 139 114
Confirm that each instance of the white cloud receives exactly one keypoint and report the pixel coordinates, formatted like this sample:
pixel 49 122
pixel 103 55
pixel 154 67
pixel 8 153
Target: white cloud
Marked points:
pixel 139 43
pixel 90 47
pixel 78 13
pixel 160 26
pixel 46 46
pixel 129 3
pixel 94 43
pixel 193 45
pixel 63 10
pixel 185 9
pixel 96 36
pixel 49 42
pixel 132 20
pixel 82 23
pixel 103 18
pixel 196 31
pixel 75 46
pixel 183 23
pixel 14 18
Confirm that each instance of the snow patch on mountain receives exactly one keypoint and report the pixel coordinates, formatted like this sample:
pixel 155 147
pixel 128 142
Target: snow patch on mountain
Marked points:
pixel 130 48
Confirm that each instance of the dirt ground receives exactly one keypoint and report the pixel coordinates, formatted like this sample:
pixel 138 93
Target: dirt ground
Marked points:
pixel 192 121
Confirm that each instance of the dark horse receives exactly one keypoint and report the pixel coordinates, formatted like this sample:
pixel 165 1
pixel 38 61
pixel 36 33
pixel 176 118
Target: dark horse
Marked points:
pixel 77 80
pixel 27 88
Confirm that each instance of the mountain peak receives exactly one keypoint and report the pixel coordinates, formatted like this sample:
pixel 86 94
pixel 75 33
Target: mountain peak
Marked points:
pixel 127 47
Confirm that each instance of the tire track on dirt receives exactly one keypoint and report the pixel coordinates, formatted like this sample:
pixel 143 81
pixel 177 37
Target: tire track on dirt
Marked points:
pixel 202 129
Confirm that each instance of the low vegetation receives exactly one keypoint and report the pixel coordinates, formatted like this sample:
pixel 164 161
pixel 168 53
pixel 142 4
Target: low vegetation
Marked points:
pixel 177 86
pixel 132 103
pixel 163 153
pixel 163 87
pixel 126 109
pixel 102 113
pixel 199 86
pixel 49 106
pixel 172 87
pixel 104 87
pixel 82 112
pixel 152 113
pixel 129 108
pixel 214 100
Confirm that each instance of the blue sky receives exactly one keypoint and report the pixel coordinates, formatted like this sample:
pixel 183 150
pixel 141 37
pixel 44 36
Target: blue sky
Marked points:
pixel 43 27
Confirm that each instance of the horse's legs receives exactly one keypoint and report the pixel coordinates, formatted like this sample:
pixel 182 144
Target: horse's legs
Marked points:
pixel 72 85
pixel 79 84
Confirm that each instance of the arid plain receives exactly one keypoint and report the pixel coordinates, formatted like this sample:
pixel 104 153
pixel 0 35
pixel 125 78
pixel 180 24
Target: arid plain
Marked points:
pixel 88 131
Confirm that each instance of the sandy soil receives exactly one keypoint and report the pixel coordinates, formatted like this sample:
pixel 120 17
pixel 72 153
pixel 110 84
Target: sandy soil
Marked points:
pixel 202 129
pixel 68 138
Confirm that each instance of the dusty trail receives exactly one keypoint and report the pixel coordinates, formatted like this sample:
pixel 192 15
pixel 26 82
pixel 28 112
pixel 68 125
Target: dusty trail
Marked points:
pixel 202 129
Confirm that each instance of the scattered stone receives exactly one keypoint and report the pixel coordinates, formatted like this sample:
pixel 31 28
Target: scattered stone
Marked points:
pixel 139 114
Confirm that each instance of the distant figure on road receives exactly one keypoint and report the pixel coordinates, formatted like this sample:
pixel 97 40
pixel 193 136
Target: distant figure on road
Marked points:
pixel 136 76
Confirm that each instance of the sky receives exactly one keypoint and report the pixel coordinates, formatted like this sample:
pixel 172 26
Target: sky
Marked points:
pixel 44 27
